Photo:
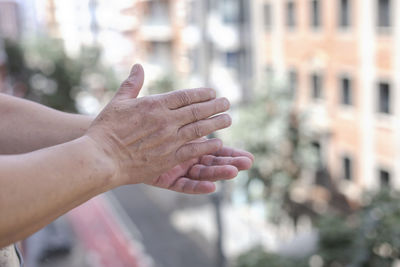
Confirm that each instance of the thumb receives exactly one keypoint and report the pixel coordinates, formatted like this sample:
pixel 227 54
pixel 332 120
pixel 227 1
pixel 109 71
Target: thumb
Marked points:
pixel 130 88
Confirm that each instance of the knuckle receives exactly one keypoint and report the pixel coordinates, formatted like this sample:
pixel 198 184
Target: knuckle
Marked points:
pixel 128 83
pixel 195 112
pixel 155 103
pixel 188 151
pixel 181 154
pixel 144 102
pixel 205 93
pixel 193 149
pixel 197 130
pixel 183 98
pixel 150 103
pixel 185 134
pixel 216 161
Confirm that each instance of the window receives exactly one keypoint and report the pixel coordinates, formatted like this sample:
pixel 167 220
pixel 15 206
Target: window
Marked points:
pixel 9 20
pixel 384 178
pixel 315 14
pixel 344 14
pixel 268 16
pixel 384 16
pixel 347 168
pixel 346 91
pixel 318 152
pixel 158 13
pixel 291 14
pixel 317 146
pixel 384 98
pixel 213 5
pixel 231 12
pixel 191 15
pixel 293 79
pixel 232 59
pixel 160 53
pixel 316 86
pixel 195 60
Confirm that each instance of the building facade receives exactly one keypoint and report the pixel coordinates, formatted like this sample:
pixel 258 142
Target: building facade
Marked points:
pixel 203 42
pixel 342 59
pixel 16 19
pixel 91 23
pixel 219 41
pixel 156 36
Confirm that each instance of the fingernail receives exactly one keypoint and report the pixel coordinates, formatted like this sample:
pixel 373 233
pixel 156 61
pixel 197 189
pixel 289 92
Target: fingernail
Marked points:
pixel 135 69
pixel 226 103
pixel 228 120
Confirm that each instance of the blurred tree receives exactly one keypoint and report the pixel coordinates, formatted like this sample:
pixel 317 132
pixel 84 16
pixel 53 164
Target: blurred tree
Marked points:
pixel 279 137
pixel 257 257
pixel 273 131
pixel 287 162
pixel 42 71
pixel 163 84
pixel 369 237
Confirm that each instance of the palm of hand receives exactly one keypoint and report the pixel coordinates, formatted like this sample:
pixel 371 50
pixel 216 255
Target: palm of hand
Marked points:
pixel 197 176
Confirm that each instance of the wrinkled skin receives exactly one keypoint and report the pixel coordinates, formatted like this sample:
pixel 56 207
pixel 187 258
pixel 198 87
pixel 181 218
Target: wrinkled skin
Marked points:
pixel 157 139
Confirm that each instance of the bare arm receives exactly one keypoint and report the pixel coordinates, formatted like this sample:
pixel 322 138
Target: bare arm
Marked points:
pixel 133 140
pixel 26 126
pixel 37 187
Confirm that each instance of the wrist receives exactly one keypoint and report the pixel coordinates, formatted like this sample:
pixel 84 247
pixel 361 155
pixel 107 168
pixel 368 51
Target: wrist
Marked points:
pixel 80 124
pixel 103 164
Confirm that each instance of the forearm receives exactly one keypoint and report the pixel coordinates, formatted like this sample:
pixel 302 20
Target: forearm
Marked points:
pixel 37 187
pixel 26 126
pixel 133 140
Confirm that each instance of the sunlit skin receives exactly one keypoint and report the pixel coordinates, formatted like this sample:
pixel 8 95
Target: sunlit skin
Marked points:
pixel 53 161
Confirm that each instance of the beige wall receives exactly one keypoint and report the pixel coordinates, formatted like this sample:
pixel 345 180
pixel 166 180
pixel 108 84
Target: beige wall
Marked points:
pixel 358 130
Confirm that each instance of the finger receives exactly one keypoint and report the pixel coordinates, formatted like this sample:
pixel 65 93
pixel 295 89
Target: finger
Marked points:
pixel 181 98
pixel 198 149
pixel 202 128
pixel 189 186
pixel 232 152
pixel 241 162
pixel 212 173
pixel 130 88
pixel 202 111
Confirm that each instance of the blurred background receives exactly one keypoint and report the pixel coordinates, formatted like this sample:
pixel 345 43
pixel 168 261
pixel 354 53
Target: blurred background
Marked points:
pixel 314 87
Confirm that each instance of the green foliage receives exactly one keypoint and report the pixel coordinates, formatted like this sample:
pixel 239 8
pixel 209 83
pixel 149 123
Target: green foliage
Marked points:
pixel 336 239
pixel 164 84
pixel 369 237
pixel 16 62
pixel 42 71
pixel 257 257
pixel 281 143
pixel 269 127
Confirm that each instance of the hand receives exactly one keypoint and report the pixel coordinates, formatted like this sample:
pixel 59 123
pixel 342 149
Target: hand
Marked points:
pixel 145 137
pixel 197 176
